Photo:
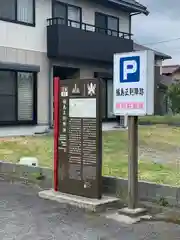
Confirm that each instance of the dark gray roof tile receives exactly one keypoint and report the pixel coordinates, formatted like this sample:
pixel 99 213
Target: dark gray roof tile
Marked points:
pixel 159 55
pixel 132 5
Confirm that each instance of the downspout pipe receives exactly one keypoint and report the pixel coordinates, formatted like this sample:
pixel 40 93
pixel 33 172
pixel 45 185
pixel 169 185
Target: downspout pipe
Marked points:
pixel 130 19
pixel 50 79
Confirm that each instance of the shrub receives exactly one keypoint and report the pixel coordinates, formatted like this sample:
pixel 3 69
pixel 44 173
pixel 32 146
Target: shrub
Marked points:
pixel 173 95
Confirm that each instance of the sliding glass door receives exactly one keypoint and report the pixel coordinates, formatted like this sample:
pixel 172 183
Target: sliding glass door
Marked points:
pixel 67 14
pixel 7 96
pixel 17 97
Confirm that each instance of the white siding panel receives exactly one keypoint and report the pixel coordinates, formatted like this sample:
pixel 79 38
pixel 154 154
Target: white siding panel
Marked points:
pixel 24 37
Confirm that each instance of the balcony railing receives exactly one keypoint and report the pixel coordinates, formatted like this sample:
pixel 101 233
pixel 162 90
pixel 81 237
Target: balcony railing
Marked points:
pixel 72 39
pixel 87 27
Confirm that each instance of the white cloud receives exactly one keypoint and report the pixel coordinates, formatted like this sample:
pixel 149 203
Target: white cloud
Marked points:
pixel 161 24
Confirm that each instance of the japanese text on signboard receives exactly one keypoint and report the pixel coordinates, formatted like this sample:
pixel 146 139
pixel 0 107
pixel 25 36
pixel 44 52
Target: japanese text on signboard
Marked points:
pixel 129 91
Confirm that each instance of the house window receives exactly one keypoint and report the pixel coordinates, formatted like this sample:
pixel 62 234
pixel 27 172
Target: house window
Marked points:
pixel 18 11
pixel 101 23
pixel 67 14
pixel 106 24
pixel 112 25
pixel 59 11
pixel 17 97
pixel 25 88
pixel 74 16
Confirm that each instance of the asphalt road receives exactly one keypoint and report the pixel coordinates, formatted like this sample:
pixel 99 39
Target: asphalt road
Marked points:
pixel 24 216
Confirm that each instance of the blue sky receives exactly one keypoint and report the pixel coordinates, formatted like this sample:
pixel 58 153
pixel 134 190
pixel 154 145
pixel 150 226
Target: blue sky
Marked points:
pixel 163 23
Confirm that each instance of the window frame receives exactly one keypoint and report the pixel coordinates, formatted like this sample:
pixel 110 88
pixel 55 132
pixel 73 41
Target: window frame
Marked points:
pixel 21 22
pixel 106 23
pixel 66 5
pixel 35 92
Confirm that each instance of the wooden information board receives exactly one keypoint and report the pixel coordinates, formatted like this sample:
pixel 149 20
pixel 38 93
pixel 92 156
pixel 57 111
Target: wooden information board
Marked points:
pixel 80 138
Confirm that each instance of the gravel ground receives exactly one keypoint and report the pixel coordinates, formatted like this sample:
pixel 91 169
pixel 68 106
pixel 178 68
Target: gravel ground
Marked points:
pixel 24 216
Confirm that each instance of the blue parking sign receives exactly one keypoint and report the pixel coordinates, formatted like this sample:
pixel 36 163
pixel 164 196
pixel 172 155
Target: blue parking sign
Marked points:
pixel 133 83
pixel 129 69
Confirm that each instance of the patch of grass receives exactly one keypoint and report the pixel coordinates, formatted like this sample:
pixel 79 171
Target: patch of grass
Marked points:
pixel 115 152
pixel 160 137
pixel 12 149
pixel 166 119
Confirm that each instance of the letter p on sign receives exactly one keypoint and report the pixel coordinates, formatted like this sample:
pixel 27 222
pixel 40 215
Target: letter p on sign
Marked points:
pixel 130 69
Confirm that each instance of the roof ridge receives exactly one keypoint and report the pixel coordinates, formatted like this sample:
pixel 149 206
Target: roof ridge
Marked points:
pixel 135 3
pixel 172 65
pixel 139 47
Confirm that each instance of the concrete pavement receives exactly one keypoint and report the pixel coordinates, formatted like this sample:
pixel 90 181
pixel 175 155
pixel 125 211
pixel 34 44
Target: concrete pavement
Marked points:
pixel 24 216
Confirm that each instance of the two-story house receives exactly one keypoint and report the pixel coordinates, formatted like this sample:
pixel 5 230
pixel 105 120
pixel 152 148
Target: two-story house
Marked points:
pixel 41 39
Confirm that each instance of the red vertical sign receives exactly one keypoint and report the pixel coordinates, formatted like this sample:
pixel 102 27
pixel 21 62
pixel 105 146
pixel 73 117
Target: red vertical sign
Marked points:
pixel 56 129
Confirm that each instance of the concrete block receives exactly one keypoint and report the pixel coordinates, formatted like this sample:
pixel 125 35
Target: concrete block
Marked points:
pixel 147 191
pixel 41 176
pixel 157 192
pixel 178 196
pixel 93 205
pixel 115 186
pixel 143 190
pixel 151 191
pixel 127 219
pixel 122 218
pixel 27 172
pixel 109 184
pixel 167 193
pixel 122 188
pixel 29 161
pixel 47 181
pixel 6 167
pixel 47 172
pixel 137 212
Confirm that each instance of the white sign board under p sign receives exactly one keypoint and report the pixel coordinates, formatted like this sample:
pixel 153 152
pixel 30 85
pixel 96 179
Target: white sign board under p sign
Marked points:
pixel 133 83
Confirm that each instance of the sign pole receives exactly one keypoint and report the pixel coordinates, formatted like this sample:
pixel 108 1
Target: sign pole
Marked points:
pixel 133 92
pixel 133 162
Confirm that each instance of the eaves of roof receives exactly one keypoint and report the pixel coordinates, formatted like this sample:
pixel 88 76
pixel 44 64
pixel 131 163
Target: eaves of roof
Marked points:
pixel 131 5
pixel 158 55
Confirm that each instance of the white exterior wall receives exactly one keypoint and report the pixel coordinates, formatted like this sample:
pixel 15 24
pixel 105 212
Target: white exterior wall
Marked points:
pixel 34 38
pixel 158 62
pixel 26 37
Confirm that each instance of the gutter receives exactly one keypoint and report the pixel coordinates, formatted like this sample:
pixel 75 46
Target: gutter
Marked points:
pixel 130 17
pixel 50 94
pixel 137 9
pixel 134 14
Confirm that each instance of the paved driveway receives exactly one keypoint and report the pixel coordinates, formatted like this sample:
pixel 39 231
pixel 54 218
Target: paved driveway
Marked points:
pixel 24 216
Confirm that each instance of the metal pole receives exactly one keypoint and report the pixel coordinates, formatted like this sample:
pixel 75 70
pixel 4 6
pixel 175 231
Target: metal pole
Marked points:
pixel 133 162
pixel 126 121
